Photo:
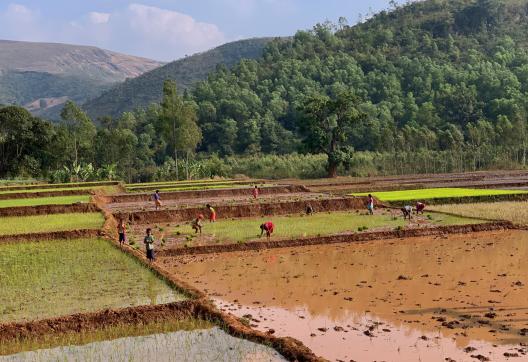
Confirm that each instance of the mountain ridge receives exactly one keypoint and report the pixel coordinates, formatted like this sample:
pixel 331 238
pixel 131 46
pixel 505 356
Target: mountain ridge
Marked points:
pixel 147 88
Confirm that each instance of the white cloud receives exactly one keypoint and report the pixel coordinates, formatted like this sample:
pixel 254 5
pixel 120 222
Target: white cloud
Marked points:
pixel 161 27
pixel 137 29
pixel 98 18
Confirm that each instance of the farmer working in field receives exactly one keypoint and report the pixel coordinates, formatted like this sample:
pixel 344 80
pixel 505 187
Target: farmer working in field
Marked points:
pixel 256 192
pixel 420 207
pixel 268 228
pixel 309 210
pixel 149 244
pixel 212 213
pixel 197 224
pixel 157 200
pixel 121 231
pixel 407 212
pixel 370 204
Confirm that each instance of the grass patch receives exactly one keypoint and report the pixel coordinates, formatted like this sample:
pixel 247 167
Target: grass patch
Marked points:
pixel 514 211
pixel 37 201
pixel 103 334
pixel 439 193
pixel 186 182
pixel 13 225
pixel 296 226
pixel 55 278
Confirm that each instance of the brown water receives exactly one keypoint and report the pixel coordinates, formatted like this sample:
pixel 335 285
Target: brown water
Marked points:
pixel 419 299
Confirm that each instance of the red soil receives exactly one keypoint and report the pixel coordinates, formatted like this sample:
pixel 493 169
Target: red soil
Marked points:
pixel 143 197
pixel 55 235
pixel 250 210
pixel 48 209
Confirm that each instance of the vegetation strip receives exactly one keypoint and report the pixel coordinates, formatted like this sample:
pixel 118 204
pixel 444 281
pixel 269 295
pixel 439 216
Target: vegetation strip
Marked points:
pixel 59 186
pixel 338 239
pixel 251 210
pixel 48 210
pixel 441 193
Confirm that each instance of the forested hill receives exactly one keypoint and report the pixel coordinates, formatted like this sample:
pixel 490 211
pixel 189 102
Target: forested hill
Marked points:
pixel 431 75
pixel 146 89
pixel 42 76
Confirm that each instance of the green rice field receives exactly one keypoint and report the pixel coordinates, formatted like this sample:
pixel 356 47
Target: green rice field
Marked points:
pixel 13 225
pixel 38 201
pixel 439 193
pixel 295 226
pixel 62 277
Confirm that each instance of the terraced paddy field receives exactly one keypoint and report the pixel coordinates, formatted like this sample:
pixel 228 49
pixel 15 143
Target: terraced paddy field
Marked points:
pixel 38 201
pixel 61 277
pixel 514 211
pixel 188 202
pixel 455 298
pixel 439 194
pixel 192 185
pixel 13 225
pixel 231 231
pixel 202 343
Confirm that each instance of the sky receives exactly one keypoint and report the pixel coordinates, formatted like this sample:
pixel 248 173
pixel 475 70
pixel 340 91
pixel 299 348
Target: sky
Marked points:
pixel 169 29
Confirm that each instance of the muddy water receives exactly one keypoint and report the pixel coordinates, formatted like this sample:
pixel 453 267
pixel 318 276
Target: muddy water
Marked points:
pixel 201 345
pixel 420 299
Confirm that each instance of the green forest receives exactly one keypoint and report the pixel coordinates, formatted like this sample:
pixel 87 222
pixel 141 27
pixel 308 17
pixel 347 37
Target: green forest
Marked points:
pixel 433 86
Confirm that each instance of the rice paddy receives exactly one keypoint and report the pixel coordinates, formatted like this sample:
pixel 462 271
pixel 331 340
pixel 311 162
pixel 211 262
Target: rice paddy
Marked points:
pixel 318 224
pixel 516 212
pixel 61 277
pixel 439 193
pixel 39 201
pixel 14 225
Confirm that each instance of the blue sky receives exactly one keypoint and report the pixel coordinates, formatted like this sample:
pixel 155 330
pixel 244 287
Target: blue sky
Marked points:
pixel 168 29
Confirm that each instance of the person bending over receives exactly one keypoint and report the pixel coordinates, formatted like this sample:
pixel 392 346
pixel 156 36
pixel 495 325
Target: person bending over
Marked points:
pixel 420 207
pixel 407 212
pixel 267 227
pixel 197 224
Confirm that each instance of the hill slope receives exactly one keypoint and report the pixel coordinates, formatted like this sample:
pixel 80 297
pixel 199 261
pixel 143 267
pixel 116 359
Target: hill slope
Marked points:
pixel 432 75
pixel 145 89
pixel 41 76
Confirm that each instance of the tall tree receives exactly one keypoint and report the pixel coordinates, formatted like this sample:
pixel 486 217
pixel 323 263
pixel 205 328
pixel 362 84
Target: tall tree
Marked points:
pixel 179 122
pixel 81 130
pixel 327 125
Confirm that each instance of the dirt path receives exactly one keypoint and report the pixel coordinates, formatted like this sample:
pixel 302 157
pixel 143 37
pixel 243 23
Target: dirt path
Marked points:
pixel 429 299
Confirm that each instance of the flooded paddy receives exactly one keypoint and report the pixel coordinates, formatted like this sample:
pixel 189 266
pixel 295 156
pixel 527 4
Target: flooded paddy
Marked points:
pixel 462 297
pixel 197 345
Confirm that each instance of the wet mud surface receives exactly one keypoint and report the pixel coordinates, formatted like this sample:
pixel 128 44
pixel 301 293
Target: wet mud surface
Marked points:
pixel 460 297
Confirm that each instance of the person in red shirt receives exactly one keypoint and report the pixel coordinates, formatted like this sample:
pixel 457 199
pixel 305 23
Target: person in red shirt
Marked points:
pixel 420 207
pixel 256 192
pixel 268 228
